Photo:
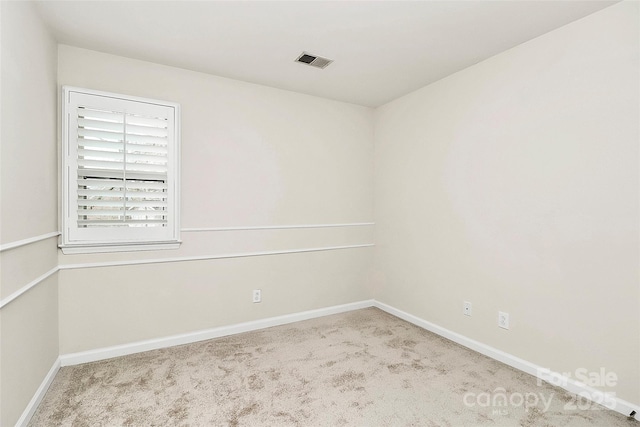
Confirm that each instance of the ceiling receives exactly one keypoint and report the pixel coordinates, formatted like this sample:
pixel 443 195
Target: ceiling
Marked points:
pixel 382 49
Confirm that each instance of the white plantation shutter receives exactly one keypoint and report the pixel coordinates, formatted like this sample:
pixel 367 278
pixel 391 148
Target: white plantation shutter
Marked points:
pixel 120 170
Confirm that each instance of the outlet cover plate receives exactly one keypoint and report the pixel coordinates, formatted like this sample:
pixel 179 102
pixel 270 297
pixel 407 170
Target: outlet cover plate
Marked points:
pixel 503 320
pixel 466 308
pixel 257 295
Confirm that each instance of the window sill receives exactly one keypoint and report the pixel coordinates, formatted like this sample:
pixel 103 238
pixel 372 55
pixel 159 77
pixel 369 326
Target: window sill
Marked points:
pixel 121 247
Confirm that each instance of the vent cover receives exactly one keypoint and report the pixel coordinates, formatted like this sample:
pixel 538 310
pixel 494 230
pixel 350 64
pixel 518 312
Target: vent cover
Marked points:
pixel 313 60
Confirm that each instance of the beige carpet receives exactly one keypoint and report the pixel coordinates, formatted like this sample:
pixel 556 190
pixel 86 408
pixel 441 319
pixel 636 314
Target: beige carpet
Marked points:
pixel 363 368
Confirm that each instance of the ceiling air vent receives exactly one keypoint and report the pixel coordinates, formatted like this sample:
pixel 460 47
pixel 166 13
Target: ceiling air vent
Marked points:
pixel 313 60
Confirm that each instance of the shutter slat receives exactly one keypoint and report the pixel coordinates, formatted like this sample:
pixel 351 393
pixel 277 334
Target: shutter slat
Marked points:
pixel 119 146
pixel 100 165
pixel 146 131
pixel 119 213
pixel 102 145
pixel 118 174
pixel 137 148
pixel 110 116
pixel 100 183
pixel 153 198
pixel 101 174
pixel 101 125
pixel 147 122
pixel 131 158
pixel 146 167
pixel 129 204
pixel 147 194
pixel 148 148
pixel 147 185
pixel 128 223
pixel 97 155
pixel 146 158
pixel 145 139
pixel 101 135
pixel 115 165
pixel 100 212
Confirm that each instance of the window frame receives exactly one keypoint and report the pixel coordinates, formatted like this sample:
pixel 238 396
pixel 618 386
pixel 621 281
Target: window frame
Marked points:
pixel 85 240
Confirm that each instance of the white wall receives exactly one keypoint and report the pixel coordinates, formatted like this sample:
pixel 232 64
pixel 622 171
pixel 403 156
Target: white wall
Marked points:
pixel 28 194
pixel 513 184
pixel 251 156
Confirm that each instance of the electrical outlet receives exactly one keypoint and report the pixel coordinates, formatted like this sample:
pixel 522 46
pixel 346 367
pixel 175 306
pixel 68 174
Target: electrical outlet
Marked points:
pixel 503 320
pixel 466 308
pixel 257 295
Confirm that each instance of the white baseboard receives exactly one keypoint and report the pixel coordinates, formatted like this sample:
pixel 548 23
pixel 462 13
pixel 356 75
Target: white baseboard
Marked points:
pixel 191 337
pixel 555 378
pixel 39 395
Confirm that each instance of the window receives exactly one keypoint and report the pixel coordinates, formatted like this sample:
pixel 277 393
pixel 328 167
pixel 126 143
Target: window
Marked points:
pixel 120 172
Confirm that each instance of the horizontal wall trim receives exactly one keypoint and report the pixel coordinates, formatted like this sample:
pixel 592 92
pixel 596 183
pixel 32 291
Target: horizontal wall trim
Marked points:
pixel 35 239
pixel 207 257
pixel 25 288
pixel 571 385
pixel 154 344
pixel 276 227
pixel 28 241
pixel 39 395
